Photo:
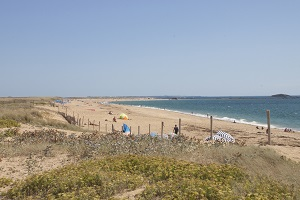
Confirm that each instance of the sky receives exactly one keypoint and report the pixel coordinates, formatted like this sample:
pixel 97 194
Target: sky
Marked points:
pixel 73 48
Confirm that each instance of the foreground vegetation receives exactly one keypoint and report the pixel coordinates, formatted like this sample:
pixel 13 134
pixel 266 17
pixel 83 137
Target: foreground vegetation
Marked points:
pixel 106 166
pixel 109 166
pixel 163 178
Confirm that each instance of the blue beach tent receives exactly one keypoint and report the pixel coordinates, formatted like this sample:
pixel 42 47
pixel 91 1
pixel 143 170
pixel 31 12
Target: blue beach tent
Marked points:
pixel 126 129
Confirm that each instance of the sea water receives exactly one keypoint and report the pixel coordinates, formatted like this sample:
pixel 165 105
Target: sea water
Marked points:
pixel 284 112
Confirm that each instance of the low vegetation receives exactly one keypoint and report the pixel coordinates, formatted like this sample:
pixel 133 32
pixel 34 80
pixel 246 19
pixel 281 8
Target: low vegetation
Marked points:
pixel 109 166
pixel 5 182
pixel 13 112
pixel 8 123
pixel 162 178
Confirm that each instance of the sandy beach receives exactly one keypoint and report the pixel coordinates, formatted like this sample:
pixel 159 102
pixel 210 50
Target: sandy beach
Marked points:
pixel 142 119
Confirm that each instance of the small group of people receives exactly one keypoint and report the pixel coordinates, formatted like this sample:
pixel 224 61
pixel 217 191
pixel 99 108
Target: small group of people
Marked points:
pixel 288 130
pixel 262 128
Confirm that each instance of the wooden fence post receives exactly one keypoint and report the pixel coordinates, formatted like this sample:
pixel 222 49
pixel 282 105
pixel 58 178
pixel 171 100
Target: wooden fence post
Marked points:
pixel 138 130
pixel 99 126
pixel 211 127
pixel 179 126
pixel 269 127
pixel 149 128
pixel 162 129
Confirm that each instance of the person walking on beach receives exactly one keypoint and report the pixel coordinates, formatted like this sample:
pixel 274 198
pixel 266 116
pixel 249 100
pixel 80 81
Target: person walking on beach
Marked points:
pixel 175 130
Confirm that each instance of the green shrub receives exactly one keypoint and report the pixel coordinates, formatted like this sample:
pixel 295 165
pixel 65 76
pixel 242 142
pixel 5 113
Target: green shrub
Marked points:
pixel 8 123
pixel 9 133
pixel 5 182
pixel 163 178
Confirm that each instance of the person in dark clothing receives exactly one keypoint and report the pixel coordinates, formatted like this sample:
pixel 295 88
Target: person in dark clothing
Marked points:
pixel 175 130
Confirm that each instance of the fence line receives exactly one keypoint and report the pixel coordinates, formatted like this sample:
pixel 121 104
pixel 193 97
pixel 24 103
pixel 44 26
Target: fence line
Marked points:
pixel 80 123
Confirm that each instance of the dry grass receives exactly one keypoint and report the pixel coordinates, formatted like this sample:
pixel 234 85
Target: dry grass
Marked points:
pixel 256 160
pixel 40 146
pixel 23 110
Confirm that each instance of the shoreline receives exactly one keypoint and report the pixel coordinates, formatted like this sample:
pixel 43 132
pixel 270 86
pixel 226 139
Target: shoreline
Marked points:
pixel 225 119
pixel 144 120
pixel 284 143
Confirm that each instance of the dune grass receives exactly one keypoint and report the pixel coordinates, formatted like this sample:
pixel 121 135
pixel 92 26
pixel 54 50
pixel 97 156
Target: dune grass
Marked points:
pixel 182 168
pixel 163 178
pixel 23 110
pixel 8 123
pixel 107 166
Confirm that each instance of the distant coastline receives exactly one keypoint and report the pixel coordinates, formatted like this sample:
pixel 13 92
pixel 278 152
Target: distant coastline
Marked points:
pixel 281 95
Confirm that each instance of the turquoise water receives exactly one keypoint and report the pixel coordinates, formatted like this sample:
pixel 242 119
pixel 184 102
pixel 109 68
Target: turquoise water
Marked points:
pixel 285 112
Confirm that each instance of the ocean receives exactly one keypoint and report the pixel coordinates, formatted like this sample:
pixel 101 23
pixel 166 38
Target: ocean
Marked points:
pixel 284 112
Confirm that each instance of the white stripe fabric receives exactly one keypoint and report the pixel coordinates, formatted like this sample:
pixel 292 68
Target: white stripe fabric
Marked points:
pixel 226 136
pixel 222 137
pixel 214 137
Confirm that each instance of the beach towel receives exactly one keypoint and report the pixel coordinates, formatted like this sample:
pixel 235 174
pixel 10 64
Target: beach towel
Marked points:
pixel 172 135
pixel 165 136
pixel 153 134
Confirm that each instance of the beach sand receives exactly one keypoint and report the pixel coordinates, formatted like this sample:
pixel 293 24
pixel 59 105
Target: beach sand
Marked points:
pixel 97 110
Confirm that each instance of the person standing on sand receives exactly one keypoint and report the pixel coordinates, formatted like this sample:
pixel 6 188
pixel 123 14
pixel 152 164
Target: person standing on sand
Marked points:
pixel 175 130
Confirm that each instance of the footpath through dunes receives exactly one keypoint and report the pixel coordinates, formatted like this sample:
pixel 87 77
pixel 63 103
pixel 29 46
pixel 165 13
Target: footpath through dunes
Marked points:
pixel 98 111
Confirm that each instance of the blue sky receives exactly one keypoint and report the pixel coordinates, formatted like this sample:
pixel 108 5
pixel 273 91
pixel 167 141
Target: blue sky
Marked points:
pixel 147 48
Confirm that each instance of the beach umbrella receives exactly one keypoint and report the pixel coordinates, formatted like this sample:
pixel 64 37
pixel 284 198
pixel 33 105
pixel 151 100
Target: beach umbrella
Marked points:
pixel 226 136
pixel 222 137
pixel 123 116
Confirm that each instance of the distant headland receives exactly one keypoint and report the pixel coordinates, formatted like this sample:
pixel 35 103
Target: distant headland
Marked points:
pixel 281 95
